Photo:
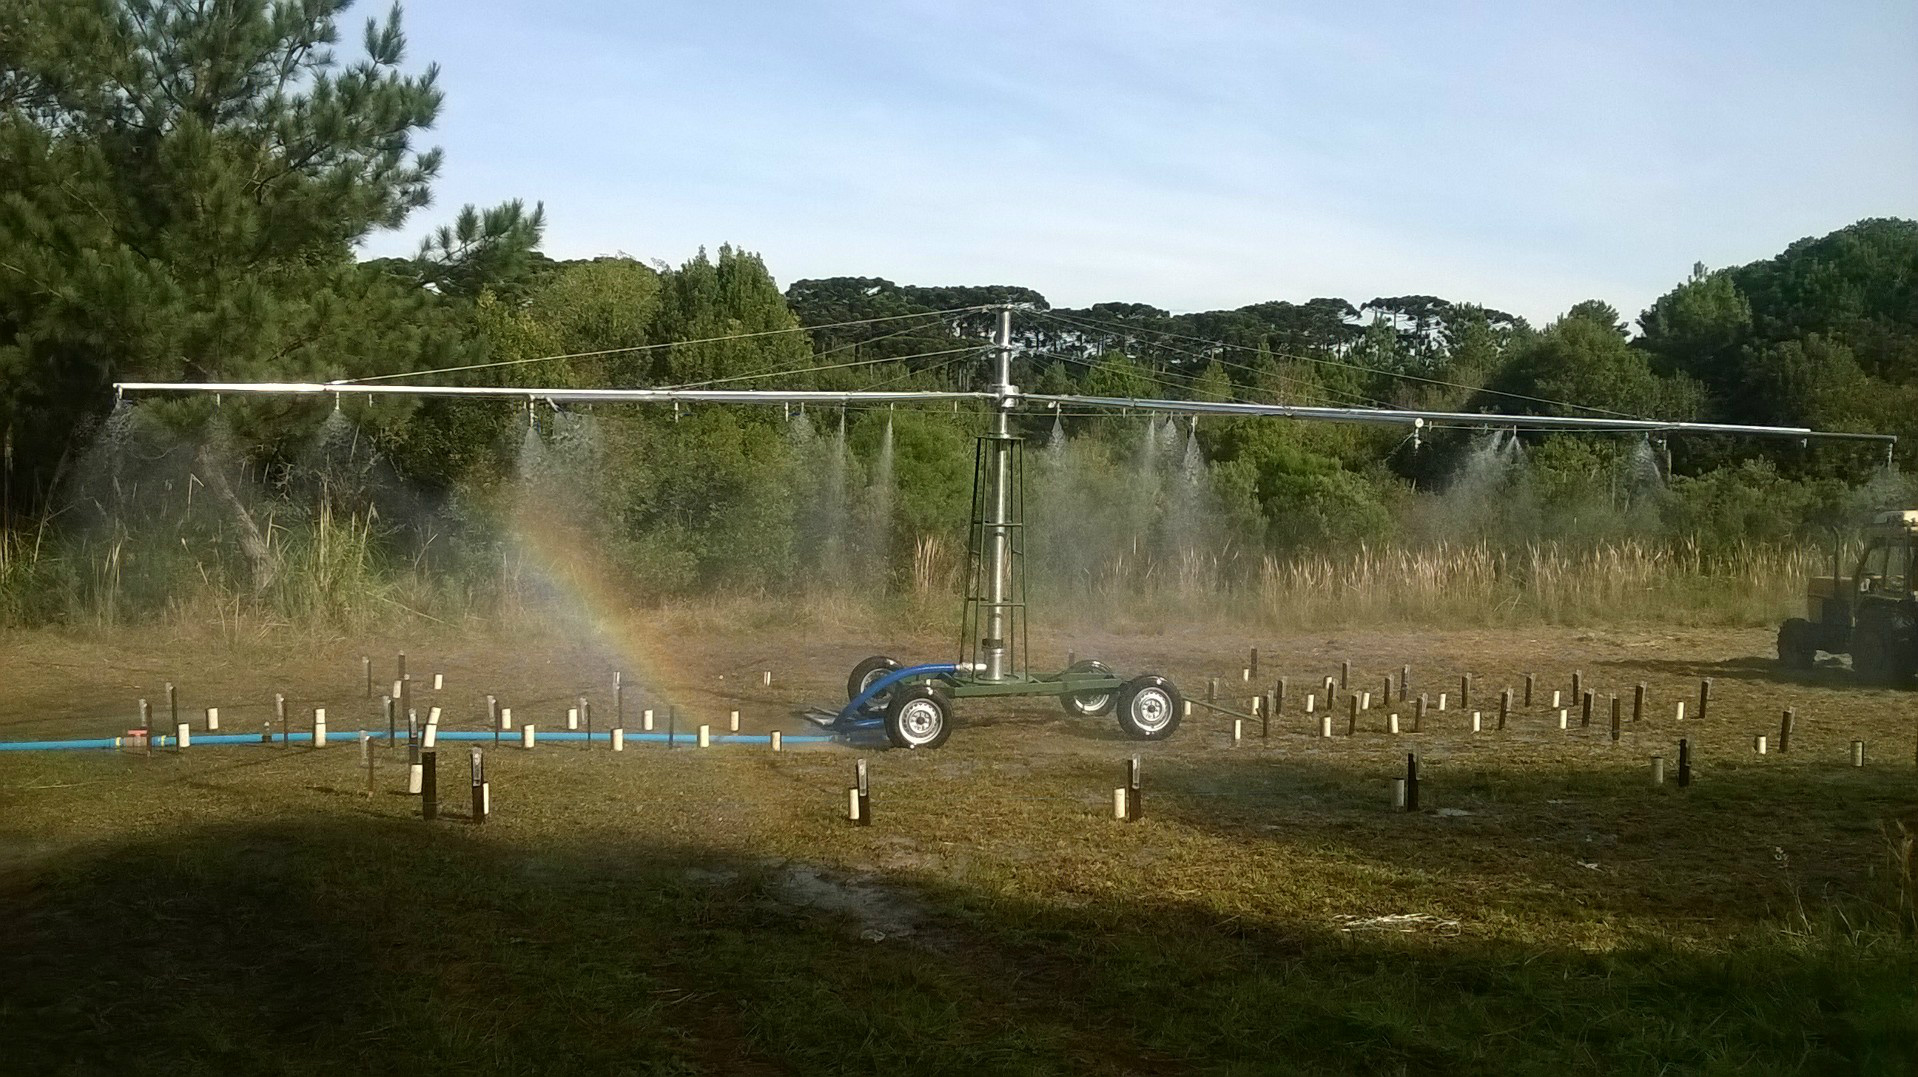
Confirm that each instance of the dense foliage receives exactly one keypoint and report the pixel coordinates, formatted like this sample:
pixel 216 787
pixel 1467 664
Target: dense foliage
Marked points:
pixel 183 188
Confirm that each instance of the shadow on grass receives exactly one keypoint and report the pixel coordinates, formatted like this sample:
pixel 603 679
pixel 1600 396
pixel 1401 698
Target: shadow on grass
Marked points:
pixel 1828 673
pixel 352 945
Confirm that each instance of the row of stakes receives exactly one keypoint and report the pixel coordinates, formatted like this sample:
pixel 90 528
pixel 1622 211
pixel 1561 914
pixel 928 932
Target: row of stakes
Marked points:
pixel 1128 798
pixel 1272 704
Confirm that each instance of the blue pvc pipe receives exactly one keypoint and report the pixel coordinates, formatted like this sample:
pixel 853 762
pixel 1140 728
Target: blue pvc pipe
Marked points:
pixel 852 711
pixel 506 736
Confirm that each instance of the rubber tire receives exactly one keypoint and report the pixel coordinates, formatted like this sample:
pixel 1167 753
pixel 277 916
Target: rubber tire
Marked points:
pixel 1154 691
pixel 863 674
pixel 1884 647
pixel 1795 647
pixel 1089 704
pixel 916 698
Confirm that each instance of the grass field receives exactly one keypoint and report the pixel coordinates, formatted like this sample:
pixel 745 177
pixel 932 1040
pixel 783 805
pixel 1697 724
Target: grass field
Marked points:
pixel 251 910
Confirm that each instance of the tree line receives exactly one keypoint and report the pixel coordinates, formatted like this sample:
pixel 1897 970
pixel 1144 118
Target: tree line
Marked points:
pixel 184 188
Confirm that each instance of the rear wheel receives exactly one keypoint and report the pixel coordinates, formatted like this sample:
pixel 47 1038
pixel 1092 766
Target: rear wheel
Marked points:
pixel 867 672
pixel 919 716
pixel 1091 704
pixel 1149 708
pixel 1796 649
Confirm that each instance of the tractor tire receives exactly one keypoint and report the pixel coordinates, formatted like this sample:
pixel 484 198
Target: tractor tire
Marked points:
pixel 919 716
pixel 1884 647
pixel 1797 646
pixel 867 672
pixel 1150 708
pixel 1095 704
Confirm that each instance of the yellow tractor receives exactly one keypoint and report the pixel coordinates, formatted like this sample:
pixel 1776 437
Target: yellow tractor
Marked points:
pixel 1871 615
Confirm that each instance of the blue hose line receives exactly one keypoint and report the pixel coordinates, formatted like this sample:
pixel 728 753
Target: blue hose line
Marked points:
pixel 852 711
pixel 344 738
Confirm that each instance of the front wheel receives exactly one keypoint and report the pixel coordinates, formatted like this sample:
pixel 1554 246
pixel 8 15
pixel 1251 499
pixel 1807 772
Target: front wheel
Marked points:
pixel 1095 703
pixel 1883 646
pixel 919 716
pixel 1150 708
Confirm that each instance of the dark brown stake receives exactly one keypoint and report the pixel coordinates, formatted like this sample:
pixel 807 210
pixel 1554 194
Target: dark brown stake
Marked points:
pixel 429 785
pixel 1411 781
pixel 1278 697
pixel 479 787
pixel 1585 709
pixel 1578 683
pixel 1505 702
pixel 1684 762
pixel 1464 691
pixel 1352 715
pixel 1134 792
pixel 1386 696
pixel 1530 679
pixel 1253 663
pixel 1265 718
pixel 865 793
pixel 392 710
pixel 1784 731
pixel 1638 701
pixel 1704 696
pixel 1616 709
pixel 399 667
pixel 1418 714
pixel 1345 675
pixel 1212 689
pixel 172 707
pixel 1405 682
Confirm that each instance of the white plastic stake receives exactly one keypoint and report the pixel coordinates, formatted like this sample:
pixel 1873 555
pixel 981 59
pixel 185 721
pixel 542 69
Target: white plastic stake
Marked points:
pixel 439 681
pixel 184 732
pixel 766 678
pixel 430 736
pixel 213 719
pixel 646 720
pixel 1311 702
pixel 1441 701
pixel 776 740
pixel 506 719
pixel 1758 745
pixel 1118 803
pixel 572 717
pixel 1476 720
pixel 1238 731
pixel 1325 726
pixel 733 721
pixel 619 740
pixel 319 728
pixel 528 736
pixel 705 736
pixel 1681 710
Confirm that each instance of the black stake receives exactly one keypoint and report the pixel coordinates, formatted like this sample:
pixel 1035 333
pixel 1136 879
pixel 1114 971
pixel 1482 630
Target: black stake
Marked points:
pixel 1704 696
pixel 1418 714
pixel 1134 792
pixel 1278 697
pixel 1784 731
pixel 1684 762
pixel 1529 680
pixel 172 708
pixel 1411 781
pixel 865 794
pixel 391 713
pixel 1585 709
pixel 1578 683
pixel 1615 716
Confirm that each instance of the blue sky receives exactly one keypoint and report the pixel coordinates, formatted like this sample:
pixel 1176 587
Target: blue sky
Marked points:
pixel 1194 155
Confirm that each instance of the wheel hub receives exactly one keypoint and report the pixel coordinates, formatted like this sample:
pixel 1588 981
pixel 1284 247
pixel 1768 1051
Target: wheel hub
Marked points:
pixel 1151 709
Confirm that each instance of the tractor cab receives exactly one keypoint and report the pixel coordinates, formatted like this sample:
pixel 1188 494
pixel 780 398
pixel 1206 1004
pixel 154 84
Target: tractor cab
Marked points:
pixel 1872 614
